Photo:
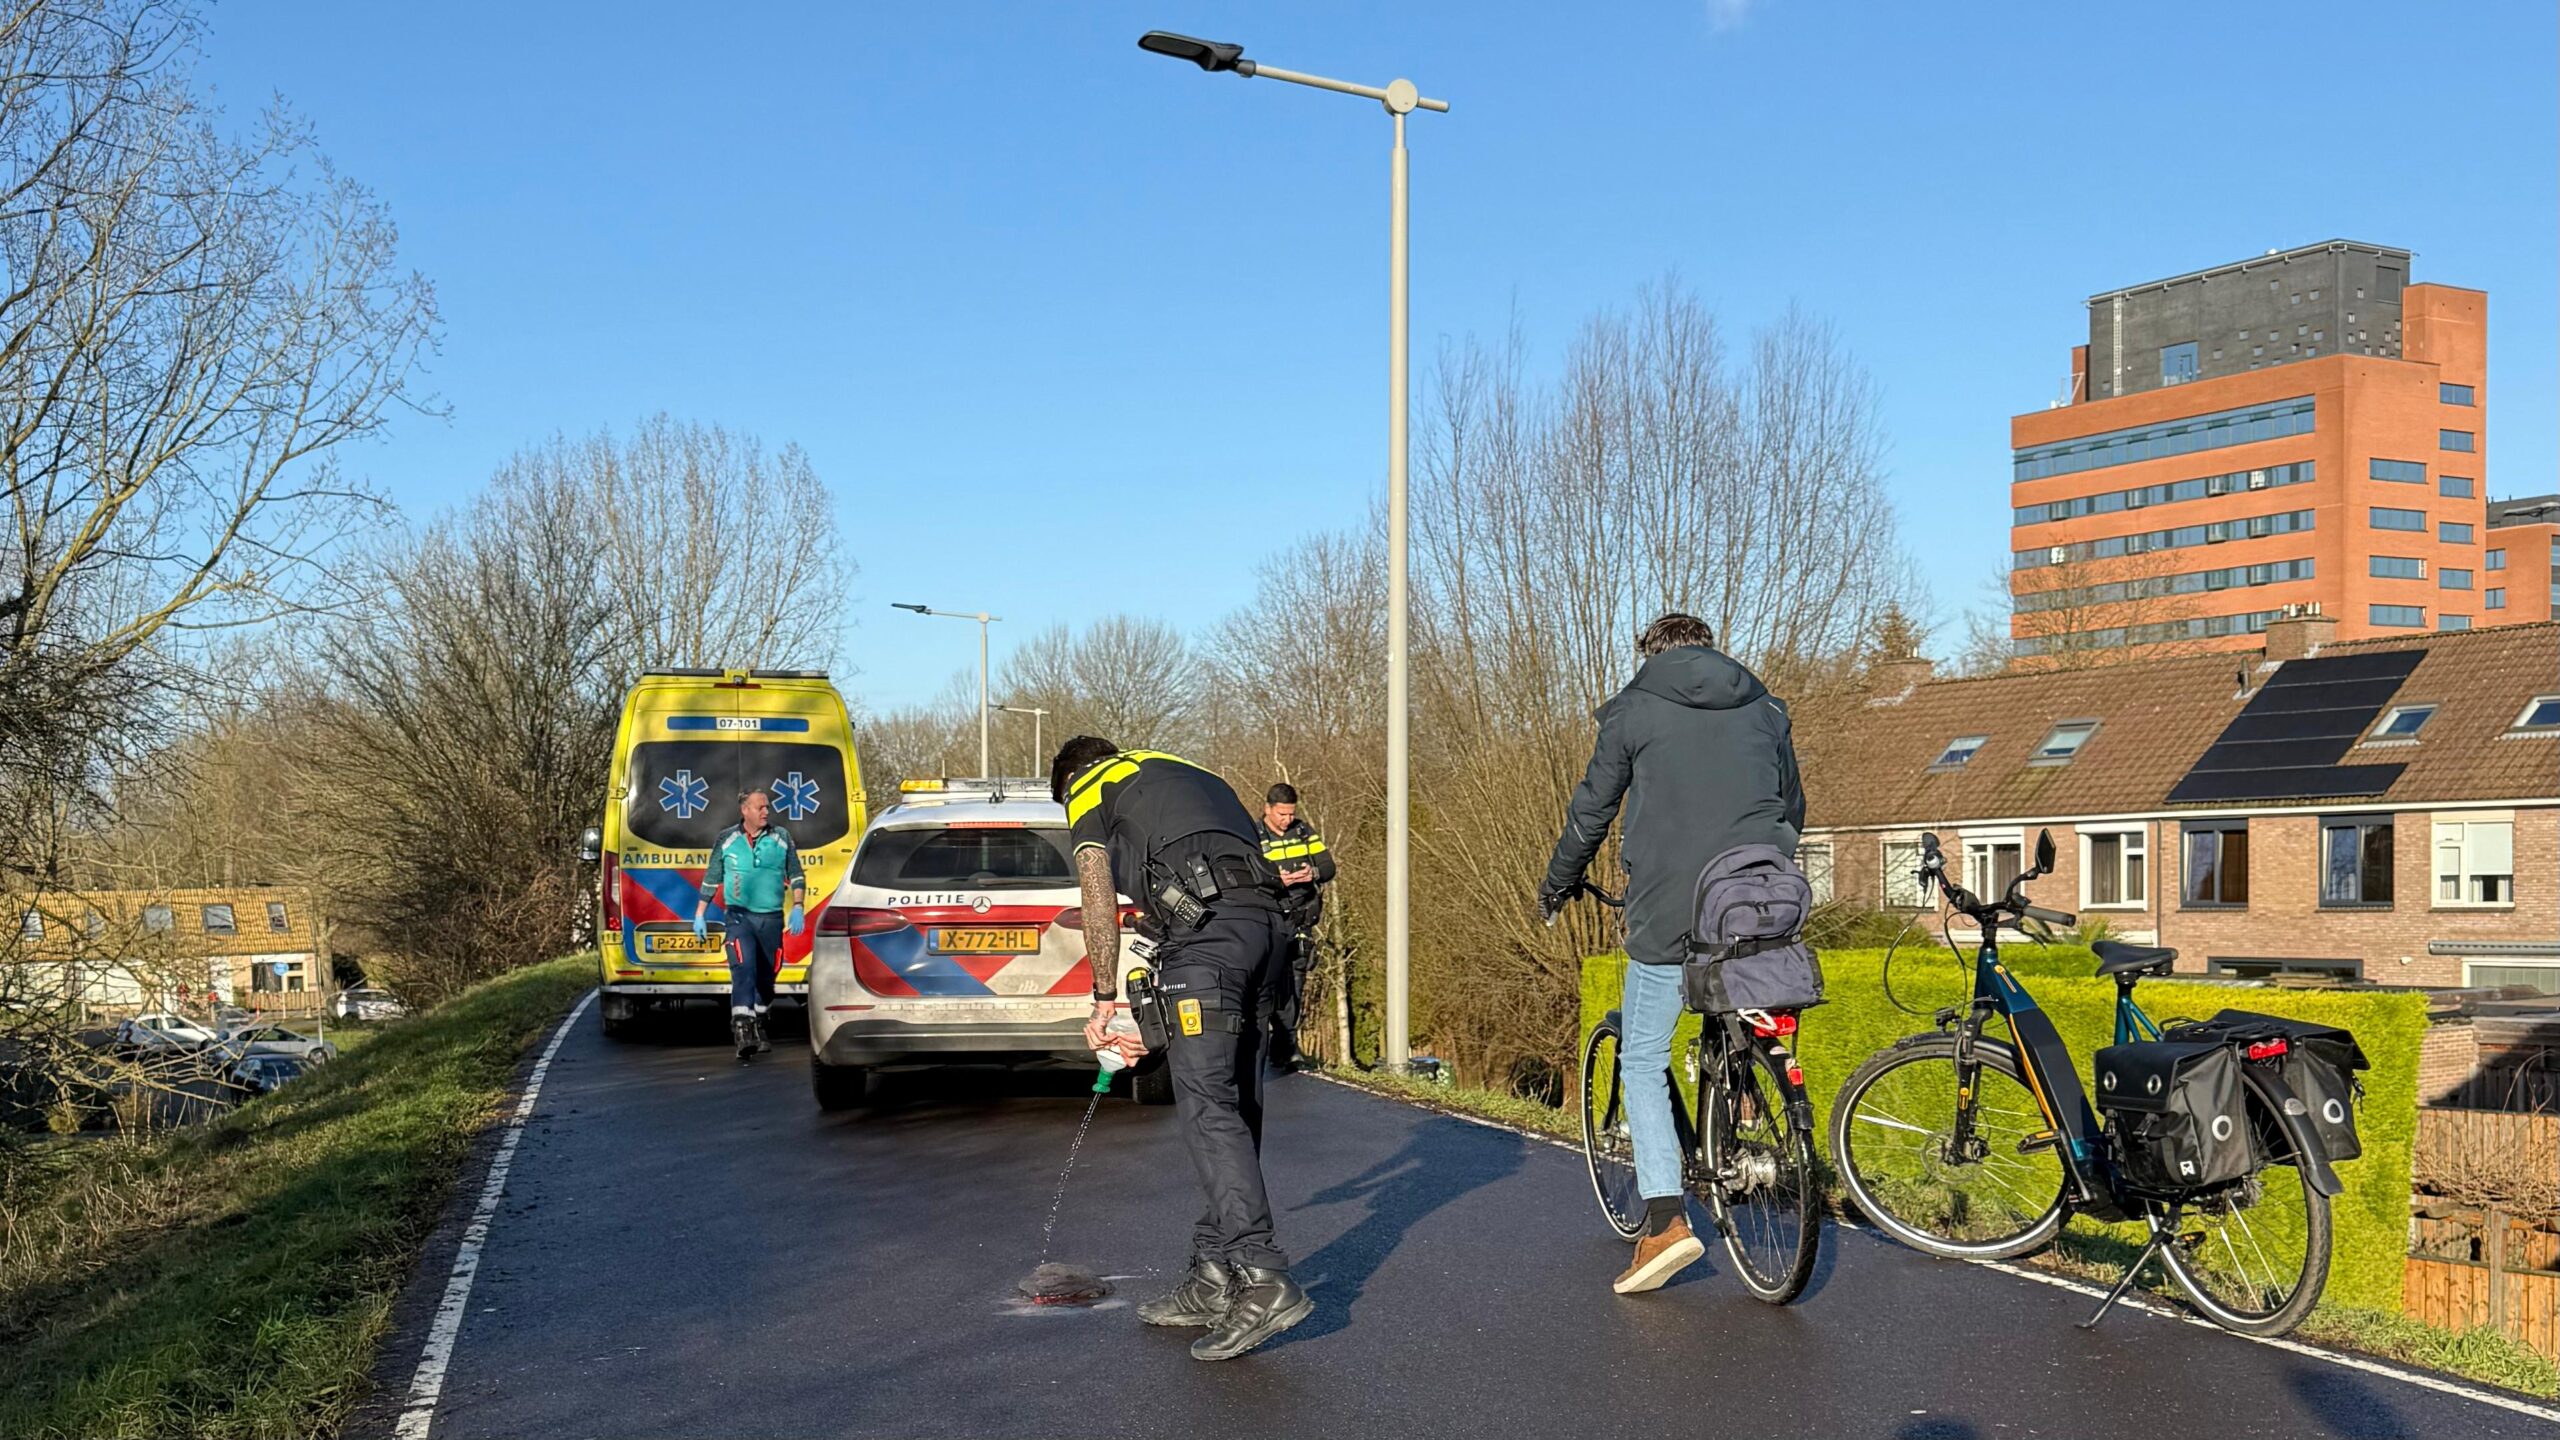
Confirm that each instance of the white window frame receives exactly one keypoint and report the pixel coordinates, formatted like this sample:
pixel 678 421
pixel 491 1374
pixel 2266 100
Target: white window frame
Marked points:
pixel 1988 840
pixel 2536 703
pixel 2505 962
pixel 31 924
pixel 2088 729
pixel 1943 763
pixel 2138 835
pixel 2382 727
pixel 1886 872
pixel 1822 878
pixel 2462 845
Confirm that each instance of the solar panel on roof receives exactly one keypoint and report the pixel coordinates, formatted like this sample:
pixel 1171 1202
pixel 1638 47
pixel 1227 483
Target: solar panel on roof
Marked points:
pixel 2286 742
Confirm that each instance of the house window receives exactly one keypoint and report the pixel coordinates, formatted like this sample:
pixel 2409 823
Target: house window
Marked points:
pixel 2355 861
pixel 2455 440
pixel 1958 751
pixel 156 919
pixel 1815 861
pixel 218 921
pixel 2386 518
pixel 97 925
pixel 2115 867
pixel 2453 579
pixel 2399 472
pixel 2453 532
pixel 277 920
pixel 1990 864
pixel 2178 363
pixel 2494 559
pixel 2217 864
pixel 2493 598
pixel 2253 967
pixel 2542 976
pixel 2401 615
pixel 2397 567
pixel 2542 712
pixel 2475 862
pixel 2404 722
pixel 31 925
pixel 1901 876
pixel 2453 622
pixel 2457 487
pixel 2454 394
pixel 2063 743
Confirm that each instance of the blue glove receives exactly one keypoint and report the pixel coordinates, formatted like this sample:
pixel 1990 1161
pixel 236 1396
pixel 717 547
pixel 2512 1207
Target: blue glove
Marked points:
pixel 791 921
pixel 702 923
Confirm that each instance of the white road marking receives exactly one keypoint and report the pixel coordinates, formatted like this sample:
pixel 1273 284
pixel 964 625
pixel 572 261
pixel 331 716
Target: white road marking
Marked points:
pixel 2420 1379
pixel 427 1386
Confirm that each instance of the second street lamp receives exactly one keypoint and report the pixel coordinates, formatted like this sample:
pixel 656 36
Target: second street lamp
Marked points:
pixel 1035 712
pixel 1400 99
pixel 984 619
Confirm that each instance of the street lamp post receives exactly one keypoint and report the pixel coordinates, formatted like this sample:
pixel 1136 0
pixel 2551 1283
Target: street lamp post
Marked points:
pixel 983 619
pixel 1035 712
pixel 1400 99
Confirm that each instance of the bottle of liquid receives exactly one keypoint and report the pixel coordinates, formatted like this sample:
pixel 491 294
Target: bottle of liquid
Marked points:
pixel 1110 1059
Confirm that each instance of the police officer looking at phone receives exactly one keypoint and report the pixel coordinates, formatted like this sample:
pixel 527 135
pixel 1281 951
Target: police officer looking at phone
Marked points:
pixel 1295 849
pixel 755 870
pixel 1176 839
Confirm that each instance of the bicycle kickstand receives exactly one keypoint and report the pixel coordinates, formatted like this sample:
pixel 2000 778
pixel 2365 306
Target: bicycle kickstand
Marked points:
pixel 2132 1273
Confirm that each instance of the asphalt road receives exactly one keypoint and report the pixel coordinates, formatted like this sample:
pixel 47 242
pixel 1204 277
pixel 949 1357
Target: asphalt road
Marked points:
pixel 691 1248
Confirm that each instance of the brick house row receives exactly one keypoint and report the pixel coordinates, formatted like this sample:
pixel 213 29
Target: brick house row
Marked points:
pixel 2388 811
pixel 262 947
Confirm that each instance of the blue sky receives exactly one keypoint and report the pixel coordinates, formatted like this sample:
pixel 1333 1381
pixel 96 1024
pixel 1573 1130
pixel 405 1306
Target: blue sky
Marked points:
pixel 993 263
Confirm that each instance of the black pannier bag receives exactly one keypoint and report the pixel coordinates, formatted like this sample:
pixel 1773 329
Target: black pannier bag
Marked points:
pixel 2318 1066
pixel 1746 947
pixel 2176 1113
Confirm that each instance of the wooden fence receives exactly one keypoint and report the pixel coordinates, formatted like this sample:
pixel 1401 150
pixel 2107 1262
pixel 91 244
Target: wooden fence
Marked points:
pixel 2485 1238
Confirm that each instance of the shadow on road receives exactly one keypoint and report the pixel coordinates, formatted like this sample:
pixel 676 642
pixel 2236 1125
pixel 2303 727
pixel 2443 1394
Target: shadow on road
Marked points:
pixel 2347 1404
pixel 1933 1427
pixel 1439 1161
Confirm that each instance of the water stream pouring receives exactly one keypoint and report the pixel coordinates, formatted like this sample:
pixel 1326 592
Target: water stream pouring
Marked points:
pixel 1060 1284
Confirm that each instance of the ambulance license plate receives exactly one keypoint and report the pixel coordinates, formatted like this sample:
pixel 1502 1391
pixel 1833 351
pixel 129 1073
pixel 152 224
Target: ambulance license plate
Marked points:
pixel 680 944
pixel 985 940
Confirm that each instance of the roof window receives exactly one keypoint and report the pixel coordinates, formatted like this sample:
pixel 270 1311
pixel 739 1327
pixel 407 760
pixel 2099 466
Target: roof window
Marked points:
pixel 2064 742
pixel 1958 751
pixel 2542 712
pixel 2403 722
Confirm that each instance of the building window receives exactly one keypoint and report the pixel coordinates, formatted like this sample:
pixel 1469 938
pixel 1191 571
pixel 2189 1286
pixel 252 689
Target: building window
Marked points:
pixel 2540 975
pixel 2217 870
pixel 2453 622
pixel 2355 861
pixel 2399 472
pixel 2495 559
pixel 97 924
pixel 2453 532
pixel 2115 867
pixel 2386 518
pixel 2403 722
pixel 2397 567
pixel 1958 751
pixel 2454 394
pixel 277 919
pixel 2178 437
pixel 2453 579
pixel 2456 440
pixel 218 920
pixel 2252 967
pixel 2063 743
pixel 1990 865
pixel 1900 885
pixel 2493 598
pixel 31 925
pixel 2454 487
pixel 2542 712
pixel 2475 862
pixel 2402 616
pixel 2177 363
pixel 156 919
pixel 1815 861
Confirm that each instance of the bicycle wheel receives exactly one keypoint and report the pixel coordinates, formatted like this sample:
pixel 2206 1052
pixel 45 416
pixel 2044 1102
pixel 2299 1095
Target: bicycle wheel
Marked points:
pixel 1758 1179
pixel 2255 1257
pixel 1607 1146
pixel 1893 1139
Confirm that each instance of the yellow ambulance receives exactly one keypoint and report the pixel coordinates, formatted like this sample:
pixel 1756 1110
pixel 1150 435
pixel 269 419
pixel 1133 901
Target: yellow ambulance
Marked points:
pixel 689 741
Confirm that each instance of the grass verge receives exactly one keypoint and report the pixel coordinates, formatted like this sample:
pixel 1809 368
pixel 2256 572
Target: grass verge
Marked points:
pixel 235 1279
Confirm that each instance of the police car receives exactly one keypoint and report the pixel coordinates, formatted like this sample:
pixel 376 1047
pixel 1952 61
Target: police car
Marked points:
pixel 957 937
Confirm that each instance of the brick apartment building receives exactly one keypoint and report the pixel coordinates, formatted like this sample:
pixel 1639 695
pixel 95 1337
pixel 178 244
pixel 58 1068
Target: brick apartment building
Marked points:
pixel 2385 809
pixel 2304 428
pixel 2520 569
pixel 261 947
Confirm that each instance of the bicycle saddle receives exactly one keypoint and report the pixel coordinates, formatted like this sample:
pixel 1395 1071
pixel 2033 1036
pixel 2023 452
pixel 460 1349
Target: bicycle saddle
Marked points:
pixel 2116 958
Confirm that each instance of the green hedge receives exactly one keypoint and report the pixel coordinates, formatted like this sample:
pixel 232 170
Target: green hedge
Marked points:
pixel 2371 1218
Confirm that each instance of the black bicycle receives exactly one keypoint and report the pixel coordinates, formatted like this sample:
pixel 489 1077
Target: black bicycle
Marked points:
pixel 1746 1149
pixel 1974 1147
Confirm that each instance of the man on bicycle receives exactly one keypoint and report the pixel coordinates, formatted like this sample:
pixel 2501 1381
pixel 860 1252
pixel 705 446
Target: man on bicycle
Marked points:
pixel 1710 758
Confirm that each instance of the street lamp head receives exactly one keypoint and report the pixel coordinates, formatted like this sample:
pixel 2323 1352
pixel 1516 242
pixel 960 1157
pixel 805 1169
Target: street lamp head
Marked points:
pixel 1207 54
pixel 919 609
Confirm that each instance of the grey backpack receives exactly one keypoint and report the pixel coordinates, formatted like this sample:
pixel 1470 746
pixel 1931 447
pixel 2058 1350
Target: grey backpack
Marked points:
pixel 1746 947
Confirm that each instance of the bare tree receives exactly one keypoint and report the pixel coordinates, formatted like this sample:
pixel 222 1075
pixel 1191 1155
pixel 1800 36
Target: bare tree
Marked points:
pixel 1129 679
pixel 2082 609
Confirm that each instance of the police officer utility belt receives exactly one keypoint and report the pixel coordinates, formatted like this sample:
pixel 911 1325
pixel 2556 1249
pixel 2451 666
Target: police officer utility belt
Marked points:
pixel 1184 885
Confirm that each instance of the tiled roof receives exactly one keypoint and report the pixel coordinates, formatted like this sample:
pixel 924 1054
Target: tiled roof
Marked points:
pixel 1870 764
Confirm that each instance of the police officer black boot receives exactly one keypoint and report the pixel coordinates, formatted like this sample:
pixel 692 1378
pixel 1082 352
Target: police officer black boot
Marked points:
pixel 1201 1299
pixel 755 1027
pixel 1266 1302
pixel 742 1029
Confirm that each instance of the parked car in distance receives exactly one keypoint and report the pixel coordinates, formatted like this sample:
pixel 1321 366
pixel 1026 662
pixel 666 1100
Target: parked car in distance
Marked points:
pixel 161 1031
pixel 273 1040
pixel 366 1002
pixel 231 1020
pixel 260 1071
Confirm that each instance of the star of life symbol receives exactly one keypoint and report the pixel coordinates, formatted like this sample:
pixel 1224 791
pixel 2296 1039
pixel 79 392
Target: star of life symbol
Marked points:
pixel 685 793
pixel 795 796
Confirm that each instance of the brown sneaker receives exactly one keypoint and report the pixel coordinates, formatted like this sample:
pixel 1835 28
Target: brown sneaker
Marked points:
pixel 1658 1258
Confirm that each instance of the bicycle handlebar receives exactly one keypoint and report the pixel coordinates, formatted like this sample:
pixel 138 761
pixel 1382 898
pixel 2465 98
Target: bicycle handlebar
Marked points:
pixel 2062 918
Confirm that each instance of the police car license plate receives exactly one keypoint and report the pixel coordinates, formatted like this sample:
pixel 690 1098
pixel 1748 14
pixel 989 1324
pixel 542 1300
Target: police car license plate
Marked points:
pixel 680 944
pixel 985 940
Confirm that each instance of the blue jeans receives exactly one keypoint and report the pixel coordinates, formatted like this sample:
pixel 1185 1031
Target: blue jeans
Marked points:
pixel 1650 1011
pixel 754 942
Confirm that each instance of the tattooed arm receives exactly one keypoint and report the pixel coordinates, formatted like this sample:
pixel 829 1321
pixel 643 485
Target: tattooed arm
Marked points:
pixel 1101 920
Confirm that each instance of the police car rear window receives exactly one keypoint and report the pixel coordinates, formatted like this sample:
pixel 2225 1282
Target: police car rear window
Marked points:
pixel 1009 858
pixel 682 793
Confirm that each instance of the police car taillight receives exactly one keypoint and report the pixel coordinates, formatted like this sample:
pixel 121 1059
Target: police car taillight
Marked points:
pixel 859 920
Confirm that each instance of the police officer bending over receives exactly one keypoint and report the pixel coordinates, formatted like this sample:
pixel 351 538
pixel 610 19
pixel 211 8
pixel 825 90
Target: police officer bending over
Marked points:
pixel 1306 867
pixel 1174 837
